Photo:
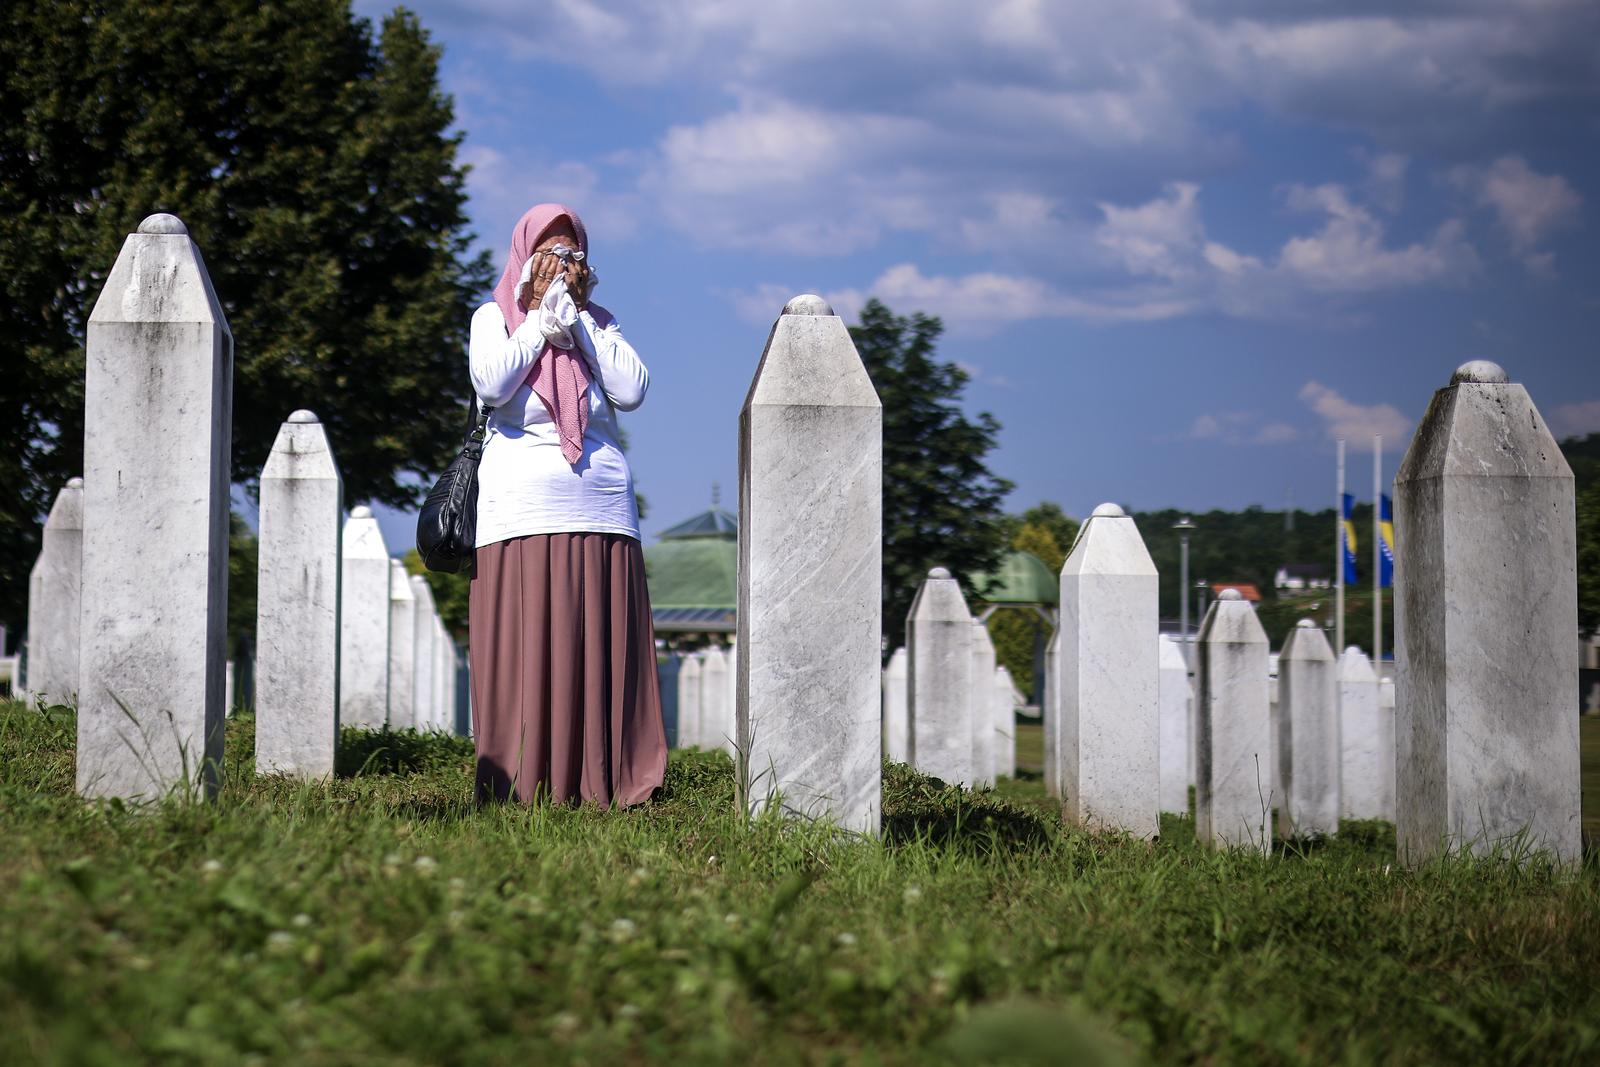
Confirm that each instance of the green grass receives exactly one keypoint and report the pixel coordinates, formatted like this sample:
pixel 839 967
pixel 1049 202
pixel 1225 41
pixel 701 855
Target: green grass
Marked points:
pixel 380 918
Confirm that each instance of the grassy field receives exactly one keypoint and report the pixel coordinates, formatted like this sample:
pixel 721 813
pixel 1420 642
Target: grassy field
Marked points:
pixel 380 918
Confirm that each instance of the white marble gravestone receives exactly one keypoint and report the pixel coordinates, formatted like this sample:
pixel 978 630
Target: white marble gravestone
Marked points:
pixel 364 623
pixel 1233 793
pixel 1050 715
pixel 690 674
pixel 1366 742
pixel 1386 702
pixel 896 712
pixel 424 696
pixel 55 586
pixel 938 679
pixel 728 745
pixel 297 603
pixel 1177 751
pixel 1004 717
pixel 444 677
pixel 981 696
pixel 1110 746
pixel 1308 734
pixel 1486 730
pixel 158 394
pixel 402 648
pixel 716 710
pixel 810 574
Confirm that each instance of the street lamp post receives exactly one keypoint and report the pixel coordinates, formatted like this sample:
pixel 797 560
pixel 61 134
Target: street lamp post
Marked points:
pixel 1201 587
pixel 1184 528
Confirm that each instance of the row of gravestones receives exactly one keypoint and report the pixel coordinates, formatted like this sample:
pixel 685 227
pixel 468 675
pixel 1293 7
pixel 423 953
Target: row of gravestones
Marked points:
pixel 1486 741
pixel 128 601
pixel 707 694
pixel 966 708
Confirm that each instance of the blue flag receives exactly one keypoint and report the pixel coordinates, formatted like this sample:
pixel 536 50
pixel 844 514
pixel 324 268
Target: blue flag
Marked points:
pixel 1348 536
pixel 1386 543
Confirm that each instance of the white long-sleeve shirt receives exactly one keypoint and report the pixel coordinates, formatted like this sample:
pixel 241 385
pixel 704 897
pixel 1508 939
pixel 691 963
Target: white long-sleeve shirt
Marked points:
pixel 525 485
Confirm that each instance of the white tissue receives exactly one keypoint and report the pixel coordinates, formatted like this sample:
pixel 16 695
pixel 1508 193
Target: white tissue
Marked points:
pixel 558 314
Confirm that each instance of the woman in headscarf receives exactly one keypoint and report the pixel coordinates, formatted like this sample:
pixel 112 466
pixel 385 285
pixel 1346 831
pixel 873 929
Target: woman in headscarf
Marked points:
pixel 565 701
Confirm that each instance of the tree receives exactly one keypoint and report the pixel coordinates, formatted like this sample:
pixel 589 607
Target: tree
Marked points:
pixel 312 164
pixel 941 504
pixel 1020 636
pixel 1583 454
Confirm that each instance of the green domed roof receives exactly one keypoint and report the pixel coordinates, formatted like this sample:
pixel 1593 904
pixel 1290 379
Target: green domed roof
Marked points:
pixel 693 573
pixel 1022 578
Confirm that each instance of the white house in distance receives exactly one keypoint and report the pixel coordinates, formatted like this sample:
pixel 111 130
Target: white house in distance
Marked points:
pixel 1298 577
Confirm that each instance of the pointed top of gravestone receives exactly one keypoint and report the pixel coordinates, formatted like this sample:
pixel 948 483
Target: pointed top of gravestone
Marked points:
pixel 161 222
pixel 399 582
pixel 74 483
pixel 1230 595
pixel 363 538
pixel 302 416
pixel 1355 667
pixel 361 511
pixel 1170 656
pixel 807 304
pixel 939 572
pixel 1306 642
pixel 1480 370
pixel 1231 620
pixel 66 513
pixel 300 452
pixel 1109 511
pixel 1108 548
pixel 938 600
pixel 1353 650
pixel 1304 624
pixel 423 592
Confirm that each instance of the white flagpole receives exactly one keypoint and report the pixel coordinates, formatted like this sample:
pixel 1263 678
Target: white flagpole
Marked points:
pixel 1338 556
pixel 1377 554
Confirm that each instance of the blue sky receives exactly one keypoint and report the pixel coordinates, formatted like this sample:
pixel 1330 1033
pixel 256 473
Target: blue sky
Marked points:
pixel 1180 246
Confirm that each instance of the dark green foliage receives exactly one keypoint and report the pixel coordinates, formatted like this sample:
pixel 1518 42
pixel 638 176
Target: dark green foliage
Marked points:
pixel 313 164
pixel 243 566
pixel 452 593
pixel 917 808
pixel 941 503
pixel 1583 454
pixel 386 918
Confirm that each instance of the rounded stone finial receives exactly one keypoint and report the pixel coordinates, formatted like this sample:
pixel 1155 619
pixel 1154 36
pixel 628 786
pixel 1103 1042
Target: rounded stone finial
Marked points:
pixel 161 222
pixel 361 511
pixel 1230 594
pixel 1480 370
pixel 807 304
pixel 1109 511
pixel 1353 650
pixel 74 483
pixel 1305 624
pixel 302 416
pixel 939 572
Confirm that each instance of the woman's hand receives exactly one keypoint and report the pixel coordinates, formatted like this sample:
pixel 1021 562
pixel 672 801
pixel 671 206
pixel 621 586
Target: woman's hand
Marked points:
pixel 546 265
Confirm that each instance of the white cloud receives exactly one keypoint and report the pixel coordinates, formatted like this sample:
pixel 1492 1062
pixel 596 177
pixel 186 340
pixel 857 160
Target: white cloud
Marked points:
pixel 1348 254
pixel 1344 419
pixel 1240 428
pixel 1528 206
pixel 1575 420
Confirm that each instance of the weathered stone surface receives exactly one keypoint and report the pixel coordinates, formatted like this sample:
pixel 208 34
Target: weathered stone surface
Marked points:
pixel 1233 794
pixel 690 675
pixel 364 623
pixel 1308 734
pixel 981 696
pixel 1005 724
pixel 424 698
pixel 1486 580
pixel 1177 750
pixel 810 574
pixel 939 673
pixel 1050 714
pixel 402 648
pixel 896 711
pixel 298 603
pixel 55 586
pixel 1110 746
pixel 158 393
pixel 1366 742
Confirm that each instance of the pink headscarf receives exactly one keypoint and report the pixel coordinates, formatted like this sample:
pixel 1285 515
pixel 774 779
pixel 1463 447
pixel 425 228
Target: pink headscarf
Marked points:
pixel 559 377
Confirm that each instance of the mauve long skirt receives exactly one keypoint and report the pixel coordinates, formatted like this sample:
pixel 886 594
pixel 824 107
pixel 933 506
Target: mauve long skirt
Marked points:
pixel 565 702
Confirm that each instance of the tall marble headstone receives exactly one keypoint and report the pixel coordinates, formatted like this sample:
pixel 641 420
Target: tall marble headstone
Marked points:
pixel 1110 748
pixel 364 623
pixel 896 712
pixel 1386 703
pixel 1050 715
pixel 716 710
pixel 690 675
pixel 1177 751
pixel 1233 796
pixel 1308 734
pixel 297 603
pixel 55 587
pixel 158 426
pixel 444 677
pixel 810 574
pixel 1366 742
pixel 402 648
pixel 1486 730
pixel 729 744
pixel 424 698
pixel 938 679
pixel 981 696
pixel 1004 718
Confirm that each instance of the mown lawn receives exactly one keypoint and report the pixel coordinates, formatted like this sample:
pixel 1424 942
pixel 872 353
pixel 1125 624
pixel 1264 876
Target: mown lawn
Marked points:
pixel 381 919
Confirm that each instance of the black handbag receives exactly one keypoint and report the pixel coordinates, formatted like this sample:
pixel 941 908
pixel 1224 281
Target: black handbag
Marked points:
pixel 447 527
